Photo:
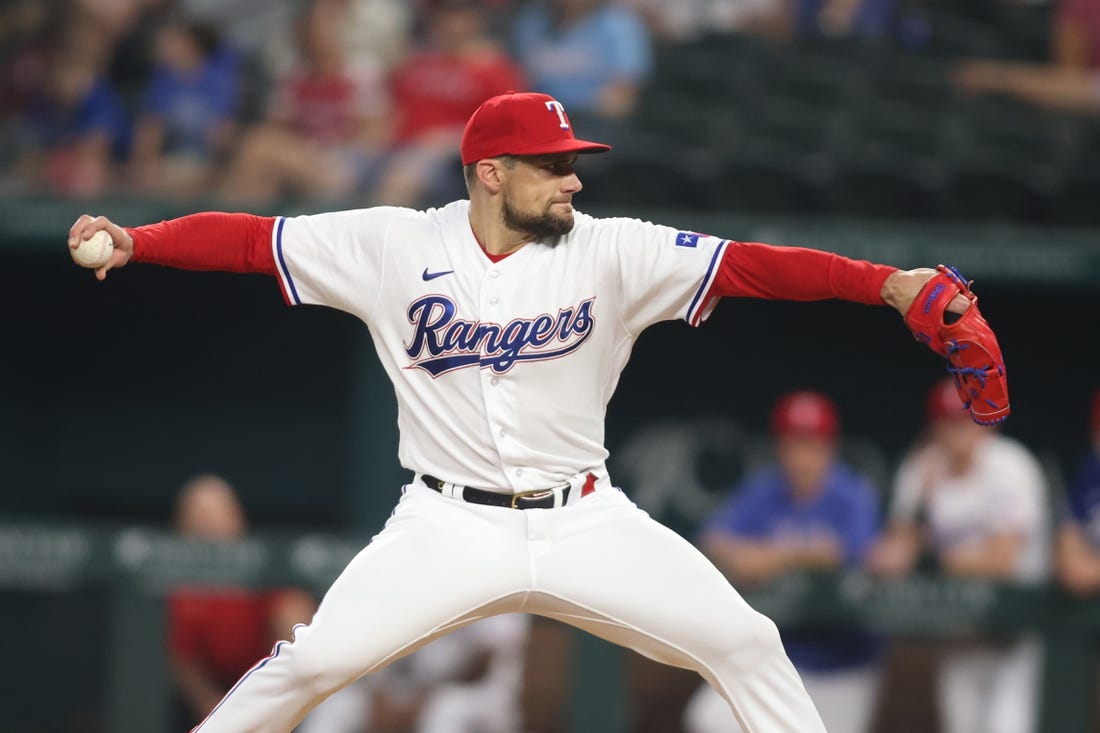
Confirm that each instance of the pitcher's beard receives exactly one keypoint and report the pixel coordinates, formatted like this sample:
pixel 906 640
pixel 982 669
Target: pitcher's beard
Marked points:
pixel 540 226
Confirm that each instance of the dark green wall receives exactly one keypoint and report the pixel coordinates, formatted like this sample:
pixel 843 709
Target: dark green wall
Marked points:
pixel 116 392
pixel 119 391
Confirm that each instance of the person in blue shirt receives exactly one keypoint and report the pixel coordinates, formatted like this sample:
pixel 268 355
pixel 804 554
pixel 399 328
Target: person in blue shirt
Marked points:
pixel 591 55
pixel 73 129
pixel 808 511
pixel 188 111
pixel 1078 547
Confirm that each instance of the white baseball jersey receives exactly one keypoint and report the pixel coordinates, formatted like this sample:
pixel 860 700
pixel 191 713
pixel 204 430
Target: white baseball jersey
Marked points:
pixel 1003 492
pixel 503 370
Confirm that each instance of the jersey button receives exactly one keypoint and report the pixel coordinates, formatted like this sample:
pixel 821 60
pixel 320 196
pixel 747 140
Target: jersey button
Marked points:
pixel 519 472
pixel 494 274
pixel 494 381
pixel 504 434
pixel 494 300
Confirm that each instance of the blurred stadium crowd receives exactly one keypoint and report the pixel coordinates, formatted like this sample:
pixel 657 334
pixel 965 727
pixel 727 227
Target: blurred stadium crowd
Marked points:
pixel 930 109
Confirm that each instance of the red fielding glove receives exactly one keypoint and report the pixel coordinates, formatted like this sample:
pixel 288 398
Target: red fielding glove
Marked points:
pixel 968 343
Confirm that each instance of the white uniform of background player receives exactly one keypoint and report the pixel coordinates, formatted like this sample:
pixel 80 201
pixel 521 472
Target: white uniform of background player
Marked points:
pixel 503 371
pixel 994 505
pixel 435 681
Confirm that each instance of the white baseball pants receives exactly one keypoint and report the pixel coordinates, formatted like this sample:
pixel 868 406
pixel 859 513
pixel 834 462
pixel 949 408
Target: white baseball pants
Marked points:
pixel 845 699
pixel 992 689
pixel 600 564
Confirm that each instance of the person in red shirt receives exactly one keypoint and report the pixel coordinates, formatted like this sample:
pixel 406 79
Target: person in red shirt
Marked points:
pixel 1076 34
pixel 216 634
pixel 327 128
pixel 434 92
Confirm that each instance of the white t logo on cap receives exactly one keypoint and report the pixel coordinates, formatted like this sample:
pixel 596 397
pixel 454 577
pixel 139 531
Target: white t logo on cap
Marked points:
pixel 555 105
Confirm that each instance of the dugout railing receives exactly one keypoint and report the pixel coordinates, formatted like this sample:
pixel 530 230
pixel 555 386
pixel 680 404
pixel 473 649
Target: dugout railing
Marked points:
pixel 135 566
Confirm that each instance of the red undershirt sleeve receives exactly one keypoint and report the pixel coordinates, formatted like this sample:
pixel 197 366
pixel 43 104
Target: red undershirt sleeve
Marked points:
pixel 208 241
pixel 752 270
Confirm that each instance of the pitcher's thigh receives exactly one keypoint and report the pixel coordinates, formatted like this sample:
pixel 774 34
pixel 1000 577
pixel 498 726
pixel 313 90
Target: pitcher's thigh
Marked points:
pixel 644 582
pixel 620 575
pixel 430 569
pixel 435 566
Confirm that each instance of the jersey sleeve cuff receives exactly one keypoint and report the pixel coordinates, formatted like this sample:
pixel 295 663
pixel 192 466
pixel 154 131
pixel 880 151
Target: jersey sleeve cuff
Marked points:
pixel 286 282
pixel 702 305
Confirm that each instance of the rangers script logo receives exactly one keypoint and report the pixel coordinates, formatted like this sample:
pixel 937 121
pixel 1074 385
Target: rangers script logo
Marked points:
pixel 442 343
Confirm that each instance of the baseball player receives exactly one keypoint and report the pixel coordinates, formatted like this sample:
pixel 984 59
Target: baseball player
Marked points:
pixel 807 510
pixel 1078 545
pixel 977 500
pixel 503 322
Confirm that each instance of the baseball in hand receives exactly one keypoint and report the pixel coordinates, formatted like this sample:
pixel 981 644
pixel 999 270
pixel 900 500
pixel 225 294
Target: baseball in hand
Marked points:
pixel 94 251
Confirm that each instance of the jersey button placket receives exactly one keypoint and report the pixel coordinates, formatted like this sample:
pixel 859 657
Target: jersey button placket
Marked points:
pixel 494 407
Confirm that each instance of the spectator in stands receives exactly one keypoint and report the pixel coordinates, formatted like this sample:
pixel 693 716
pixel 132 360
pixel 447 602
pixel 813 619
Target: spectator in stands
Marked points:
pixel 591 55
pixel 1071 81
pixel 1078 558
pixel 135 53
pixel 435 91
pixel 187 117
pixel 807 512
pixel 327 126
pixel 73 128
pixel 379 29
pixel 216 634
pixel 687 20
pixel 376 32
pixel 466 682
pixel 977 501
pixel 250 26
pixel 1076 34
pixel 19 20
pixel 843 18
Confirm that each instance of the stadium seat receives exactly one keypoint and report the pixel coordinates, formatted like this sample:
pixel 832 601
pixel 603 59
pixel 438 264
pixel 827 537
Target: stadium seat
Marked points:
pixel 1076 200
pixel 1007 161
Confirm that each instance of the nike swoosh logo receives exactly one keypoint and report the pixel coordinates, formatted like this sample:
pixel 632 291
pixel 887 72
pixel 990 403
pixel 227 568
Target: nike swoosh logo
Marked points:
pixel 433 275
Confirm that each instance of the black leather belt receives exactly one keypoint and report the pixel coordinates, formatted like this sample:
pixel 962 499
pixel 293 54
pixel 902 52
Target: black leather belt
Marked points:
pixel 541 499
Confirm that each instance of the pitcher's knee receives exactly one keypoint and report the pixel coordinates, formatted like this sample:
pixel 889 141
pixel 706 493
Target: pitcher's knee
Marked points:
pixel 312 667
pixel 750 641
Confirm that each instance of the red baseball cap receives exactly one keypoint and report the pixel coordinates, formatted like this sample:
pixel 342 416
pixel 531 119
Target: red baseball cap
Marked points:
pixel 521 123
pixel 943 402
pixel 805 413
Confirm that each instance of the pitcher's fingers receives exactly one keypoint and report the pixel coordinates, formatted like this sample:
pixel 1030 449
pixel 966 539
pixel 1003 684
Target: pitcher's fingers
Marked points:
pixel 93 226
pixel 119 236
pixel 959 304
pixel 76 230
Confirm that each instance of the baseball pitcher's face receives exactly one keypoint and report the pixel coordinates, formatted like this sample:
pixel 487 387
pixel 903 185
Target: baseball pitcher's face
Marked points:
pixel 538 195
